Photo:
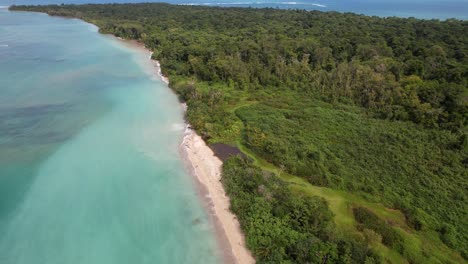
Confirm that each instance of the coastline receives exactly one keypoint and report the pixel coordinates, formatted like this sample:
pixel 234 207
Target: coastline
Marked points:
pixel 205 168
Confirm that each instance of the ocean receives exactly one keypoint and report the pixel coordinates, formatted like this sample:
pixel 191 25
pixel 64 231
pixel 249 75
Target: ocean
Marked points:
pixel 90 170
pixel 425 9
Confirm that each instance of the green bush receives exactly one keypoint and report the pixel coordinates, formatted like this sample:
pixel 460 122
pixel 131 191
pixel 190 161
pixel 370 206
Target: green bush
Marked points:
pixel 284 227
pixel 371 221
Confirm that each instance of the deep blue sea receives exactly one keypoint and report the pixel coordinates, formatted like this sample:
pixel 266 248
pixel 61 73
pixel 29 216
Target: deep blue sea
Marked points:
pixel 426 9
pixel 89 165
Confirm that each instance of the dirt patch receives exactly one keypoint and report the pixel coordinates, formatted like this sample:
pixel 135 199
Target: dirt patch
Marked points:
pixel 224 151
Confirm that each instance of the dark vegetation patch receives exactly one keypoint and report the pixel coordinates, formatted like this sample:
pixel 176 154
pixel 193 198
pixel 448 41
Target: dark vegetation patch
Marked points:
pixel 225 151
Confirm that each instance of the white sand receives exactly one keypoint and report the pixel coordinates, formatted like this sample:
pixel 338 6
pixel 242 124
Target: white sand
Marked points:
pixel 207 170
pixel 158 66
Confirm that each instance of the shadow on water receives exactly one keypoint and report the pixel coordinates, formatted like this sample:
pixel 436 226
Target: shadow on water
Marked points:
pixel 28 136
pixel 14 188
pixel 25 141
pixel 30 125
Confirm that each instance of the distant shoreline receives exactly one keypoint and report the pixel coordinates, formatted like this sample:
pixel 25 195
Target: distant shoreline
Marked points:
pixel 429 11
pixel 205 168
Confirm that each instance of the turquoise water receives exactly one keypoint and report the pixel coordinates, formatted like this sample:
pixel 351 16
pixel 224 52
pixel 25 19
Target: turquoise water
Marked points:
pixel 89 165
pixel 426 9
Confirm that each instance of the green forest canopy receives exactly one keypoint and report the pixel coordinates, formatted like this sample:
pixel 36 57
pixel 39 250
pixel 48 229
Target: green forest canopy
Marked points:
pixel 372 106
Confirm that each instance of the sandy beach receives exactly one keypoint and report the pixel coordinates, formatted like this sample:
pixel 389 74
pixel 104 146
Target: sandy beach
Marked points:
pixel 205 167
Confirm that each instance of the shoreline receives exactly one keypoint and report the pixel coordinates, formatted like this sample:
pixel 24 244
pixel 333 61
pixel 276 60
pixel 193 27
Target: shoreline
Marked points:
pixel 205 168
